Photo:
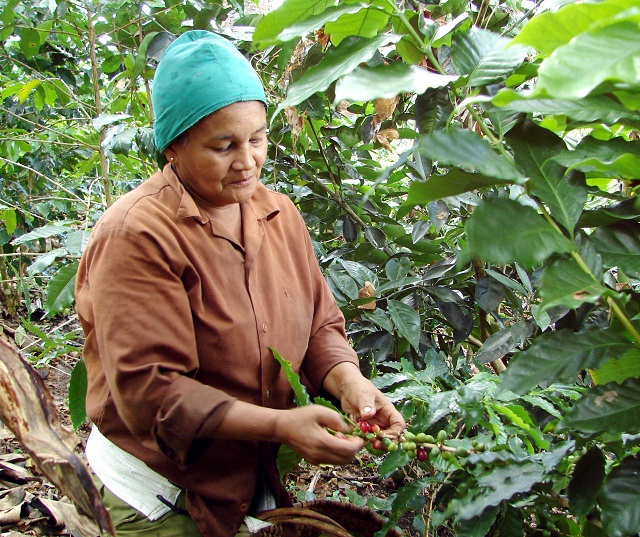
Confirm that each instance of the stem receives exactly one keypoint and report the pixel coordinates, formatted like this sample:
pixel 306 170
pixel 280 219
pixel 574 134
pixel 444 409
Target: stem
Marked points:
pixel 96 96
pixel 147 86
pixel 326 160
pixel 482 12
pixel 36 172
pixel 615 308
pixel 429 53
pixel 335 195
pixel 44 127
pixel 619 313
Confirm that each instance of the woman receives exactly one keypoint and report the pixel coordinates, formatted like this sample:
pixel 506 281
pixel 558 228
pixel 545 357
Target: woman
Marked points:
pixel 186 285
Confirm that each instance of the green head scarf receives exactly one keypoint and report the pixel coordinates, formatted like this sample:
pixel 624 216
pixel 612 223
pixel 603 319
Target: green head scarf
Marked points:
pixel 199 73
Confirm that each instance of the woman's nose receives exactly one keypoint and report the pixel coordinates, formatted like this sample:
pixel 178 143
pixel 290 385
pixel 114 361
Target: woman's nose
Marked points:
pixel 243 158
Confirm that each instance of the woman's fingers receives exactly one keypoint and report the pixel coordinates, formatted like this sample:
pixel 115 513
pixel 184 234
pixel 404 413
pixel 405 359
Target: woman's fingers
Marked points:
pixel 311 432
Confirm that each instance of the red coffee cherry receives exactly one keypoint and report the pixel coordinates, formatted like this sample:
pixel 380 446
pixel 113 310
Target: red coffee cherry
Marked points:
pixel 364 426
pixel 421 454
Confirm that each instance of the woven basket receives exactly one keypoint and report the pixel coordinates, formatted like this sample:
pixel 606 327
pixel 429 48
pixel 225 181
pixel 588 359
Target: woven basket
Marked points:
pixel 324 517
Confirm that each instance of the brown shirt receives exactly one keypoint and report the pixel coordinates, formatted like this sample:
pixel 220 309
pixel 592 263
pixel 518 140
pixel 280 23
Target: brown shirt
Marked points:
pixel 179 319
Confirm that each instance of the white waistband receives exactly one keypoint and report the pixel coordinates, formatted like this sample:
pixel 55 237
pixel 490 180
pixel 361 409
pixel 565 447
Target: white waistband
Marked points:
pixel 135 483
pixel 129 478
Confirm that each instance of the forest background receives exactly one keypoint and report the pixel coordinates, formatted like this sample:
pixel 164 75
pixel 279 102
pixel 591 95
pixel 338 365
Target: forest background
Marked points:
pixel 469 173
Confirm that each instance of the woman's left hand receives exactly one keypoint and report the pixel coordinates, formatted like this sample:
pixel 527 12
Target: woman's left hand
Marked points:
pixel 360 398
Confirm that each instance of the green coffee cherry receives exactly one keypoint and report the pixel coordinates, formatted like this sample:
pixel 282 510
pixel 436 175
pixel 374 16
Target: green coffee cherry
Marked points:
pixel 423 438
pixel 435 451
pixel 442 435
pixel 409 446
pixel 393 446
pixel 409 436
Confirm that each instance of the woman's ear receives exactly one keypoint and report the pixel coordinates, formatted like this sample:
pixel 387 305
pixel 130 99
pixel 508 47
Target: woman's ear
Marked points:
pixel 170 153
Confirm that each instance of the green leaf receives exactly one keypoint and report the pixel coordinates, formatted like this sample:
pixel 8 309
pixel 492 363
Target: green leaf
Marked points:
pixel 445 33
pixel 465 149
pixel 619 245
pixel 26 89
pixel 489 293
pixel 30 41
pixel 288 14
pixel 587 110
pixel 44 232
pixel 564 283
pixel 397 268
pixel 326 403
pixel 483 56
pixel 480 525
pixel 519 417
pixel 442 404
pixel 508 282
pixel 334 64
pixel 499 484
pixel 360 273
pixel 558 357
pixel 502 231
pixel 345 283
pixel 300 392
pixel 551 30
pixel 411 495
pixel 78 394
pixel 108 119
pixel 392 462
pixel 612 408
pixel 367 22
pixel 141 56
pixel 60 290
pixel 614 158
pixel 286 461
pixel 577 68
pixel 586 480
pixel 76 241
pixel 44 261
pixel 620 499
pixel 503 342
pixel 618 369
pixel 310 24
pixel 380 318
pixel 8 217
pixel 406 320
pixel 368 83
pixel 437 187
pixel 534 148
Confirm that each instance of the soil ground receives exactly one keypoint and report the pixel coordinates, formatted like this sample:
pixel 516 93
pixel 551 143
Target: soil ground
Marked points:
pixel 22 485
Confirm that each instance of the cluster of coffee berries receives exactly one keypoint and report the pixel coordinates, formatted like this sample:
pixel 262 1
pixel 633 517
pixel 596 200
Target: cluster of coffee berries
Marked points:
pixel 420 446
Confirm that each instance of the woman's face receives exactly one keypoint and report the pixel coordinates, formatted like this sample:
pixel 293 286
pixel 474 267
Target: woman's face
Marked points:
pixel 219 159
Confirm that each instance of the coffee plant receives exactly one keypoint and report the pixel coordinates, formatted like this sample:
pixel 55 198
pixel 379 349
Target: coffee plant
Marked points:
pixel 468 171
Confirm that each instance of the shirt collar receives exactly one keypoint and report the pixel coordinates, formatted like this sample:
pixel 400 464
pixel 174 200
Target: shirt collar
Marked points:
pixel 263 204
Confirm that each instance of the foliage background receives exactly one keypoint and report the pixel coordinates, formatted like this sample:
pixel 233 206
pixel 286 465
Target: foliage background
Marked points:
pixel 469 174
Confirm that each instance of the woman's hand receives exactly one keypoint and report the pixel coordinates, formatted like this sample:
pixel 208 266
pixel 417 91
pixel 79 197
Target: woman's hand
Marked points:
pixel 305 430
pixel 360 398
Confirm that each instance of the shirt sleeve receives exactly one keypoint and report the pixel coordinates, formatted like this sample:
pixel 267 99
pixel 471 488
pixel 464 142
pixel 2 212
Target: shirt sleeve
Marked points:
pixel 136 313
pixel 328 343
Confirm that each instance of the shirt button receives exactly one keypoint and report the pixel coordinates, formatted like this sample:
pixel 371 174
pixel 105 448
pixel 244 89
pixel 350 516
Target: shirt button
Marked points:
pixel 264 327
pixel 268 394
pixel 244 507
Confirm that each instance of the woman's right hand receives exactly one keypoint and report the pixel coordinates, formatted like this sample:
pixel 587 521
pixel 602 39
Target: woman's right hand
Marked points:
pixel 305 430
